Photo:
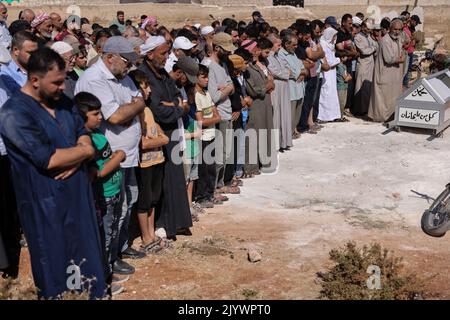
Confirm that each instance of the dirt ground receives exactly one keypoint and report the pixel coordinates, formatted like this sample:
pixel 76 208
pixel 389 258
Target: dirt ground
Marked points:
pixel 348 183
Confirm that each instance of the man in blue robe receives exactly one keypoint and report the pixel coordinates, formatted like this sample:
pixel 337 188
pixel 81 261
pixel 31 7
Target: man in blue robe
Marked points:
pixel 47 147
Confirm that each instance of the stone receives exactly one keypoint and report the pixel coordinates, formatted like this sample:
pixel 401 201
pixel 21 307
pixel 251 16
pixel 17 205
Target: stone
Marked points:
pixel 254 256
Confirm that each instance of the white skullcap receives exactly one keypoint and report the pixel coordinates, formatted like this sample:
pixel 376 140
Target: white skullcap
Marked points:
pixel 356 21
pixel 152 43
pixel 207 30
pixel 197 25
pixel 61 47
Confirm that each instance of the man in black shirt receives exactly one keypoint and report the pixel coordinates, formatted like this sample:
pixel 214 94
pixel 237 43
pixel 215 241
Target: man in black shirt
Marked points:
pixel 346 48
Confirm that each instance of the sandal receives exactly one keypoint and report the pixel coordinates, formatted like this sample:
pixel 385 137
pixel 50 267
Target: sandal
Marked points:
pixel 236 183
pixel 229 190
pixel 248 176
pixel 343 119
pixel 220 197
pixel 151 245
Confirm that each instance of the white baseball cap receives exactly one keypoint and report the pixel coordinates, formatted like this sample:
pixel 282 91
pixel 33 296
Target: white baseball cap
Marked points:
pixel 183 43
pixel 206 30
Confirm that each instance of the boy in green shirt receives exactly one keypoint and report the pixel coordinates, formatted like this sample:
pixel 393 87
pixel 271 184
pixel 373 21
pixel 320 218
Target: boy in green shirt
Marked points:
pixel 107 180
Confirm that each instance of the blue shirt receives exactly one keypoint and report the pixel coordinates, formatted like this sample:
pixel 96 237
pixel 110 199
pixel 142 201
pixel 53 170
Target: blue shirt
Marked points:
pixel 297 89
pixel 13 77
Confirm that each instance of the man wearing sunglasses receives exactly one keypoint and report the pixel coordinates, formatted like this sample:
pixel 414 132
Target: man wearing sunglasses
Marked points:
pixel 122 102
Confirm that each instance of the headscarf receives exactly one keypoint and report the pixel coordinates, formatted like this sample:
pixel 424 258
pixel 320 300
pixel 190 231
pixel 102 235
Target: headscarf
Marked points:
pixel 40 18
pixel 149 21
pixel 327 37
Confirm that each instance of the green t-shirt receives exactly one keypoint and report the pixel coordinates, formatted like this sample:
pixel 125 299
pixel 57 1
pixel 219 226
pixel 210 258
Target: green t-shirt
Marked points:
pixel 341 70
pixel 192 145
pixel 110 185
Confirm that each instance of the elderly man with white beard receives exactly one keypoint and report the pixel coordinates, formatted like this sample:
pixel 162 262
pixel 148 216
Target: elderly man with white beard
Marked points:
pixel 388 75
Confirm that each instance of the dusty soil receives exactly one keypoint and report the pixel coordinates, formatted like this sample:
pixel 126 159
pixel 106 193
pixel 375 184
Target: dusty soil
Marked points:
pixel 348 183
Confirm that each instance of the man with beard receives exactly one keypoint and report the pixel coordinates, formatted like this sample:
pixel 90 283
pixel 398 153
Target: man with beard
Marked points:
pixel 388 75
pixel 173 213
pixel 367 48
pixel 119 21
pixel 5 37
pixel 69 54
pixel 42 27
pixel 12 77
pixel 220 86
pixel 122 102
pixel 14 74
pixel 47 146
pixel 57 24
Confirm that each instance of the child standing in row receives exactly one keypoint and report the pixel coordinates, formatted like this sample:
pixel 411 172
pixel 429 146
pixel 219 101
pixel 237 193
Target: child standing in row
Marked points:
pixel 107 182
pixel 151 169
pixel 207 117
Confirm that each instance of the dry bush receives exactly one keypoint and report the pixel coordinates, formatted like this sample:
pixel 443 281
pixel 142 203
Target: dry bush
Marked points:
pixel 17 290
pixel 347 279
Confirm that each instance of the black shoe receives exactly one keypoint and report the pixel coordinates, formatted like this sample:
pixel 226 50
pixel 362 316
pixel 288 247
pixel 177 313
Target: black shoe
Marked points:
pixel 281 150
pixel 122 268
pixel 130 253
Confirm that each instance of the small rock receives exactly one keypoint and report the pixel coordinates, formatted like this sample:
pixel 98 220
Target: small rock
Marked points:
pixel 157 261
pixel 134 292
pixel 163 286
pixel 396 195
pixel 254 256
pixel 208 239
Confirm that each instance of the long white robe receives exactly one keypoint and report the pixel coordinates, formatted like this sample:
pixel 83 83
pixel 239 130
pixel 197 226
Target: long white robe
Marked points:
pixel 329 108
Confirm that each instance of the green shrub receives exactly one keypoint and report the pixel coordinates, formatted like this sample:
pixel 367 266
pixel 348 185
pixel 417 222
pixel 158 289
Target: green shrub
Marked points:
pixel 347 279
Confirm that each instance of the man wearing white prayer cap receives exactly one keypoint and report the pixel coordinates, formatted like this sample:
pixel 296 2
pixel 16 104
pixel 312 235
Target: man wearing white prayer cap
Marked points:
pixel 168 110
pixel 66 52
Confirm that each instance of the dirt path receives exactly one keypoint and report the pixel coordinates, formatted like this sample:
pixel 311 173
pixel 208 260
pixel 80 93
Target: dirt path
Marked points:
pixel 347 183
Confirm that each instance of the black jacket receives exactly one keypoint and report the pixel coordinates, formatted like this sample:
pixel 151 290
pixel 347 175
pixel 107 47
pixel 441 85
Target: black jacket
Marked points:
pixel 163 89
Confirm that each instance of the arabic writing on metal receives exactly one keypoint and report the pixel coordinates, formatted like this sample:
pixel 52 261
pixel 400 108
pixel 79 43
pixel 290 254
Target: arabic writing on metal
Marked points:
pixel 420 91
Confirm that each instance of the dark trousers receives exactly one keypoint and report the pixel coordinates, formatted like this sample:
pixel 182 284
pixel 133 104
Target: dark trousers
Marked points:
pixel 9 220
pixel 350 89
pixel 206 183
pixel 311 101
pixel 230 168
